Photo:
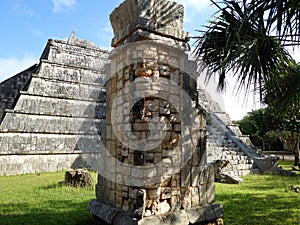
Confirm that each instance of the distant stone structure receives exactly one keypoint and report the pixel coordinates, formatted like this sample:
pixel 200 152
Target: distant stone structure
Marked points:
pixel 51 114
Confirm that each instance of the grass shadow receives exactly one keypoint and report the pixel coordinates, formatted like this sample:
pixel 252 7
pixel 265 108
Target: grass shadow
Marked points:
pixel 52 213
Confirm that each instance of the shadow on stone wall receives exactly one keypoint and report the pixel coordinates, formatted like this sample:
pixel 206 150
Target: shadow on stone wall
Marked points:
pixel 10 89
pixel 90 145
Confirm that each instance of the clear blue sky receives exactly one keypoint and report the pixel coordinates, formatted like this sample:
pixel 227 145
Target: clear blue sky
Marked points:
pixel 26 25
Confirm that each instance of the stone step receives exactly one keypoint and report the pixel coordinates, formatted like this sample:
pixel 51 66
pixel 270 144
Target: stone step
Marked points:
pixel 26 123
pixel 233 149
pixel 238 173
pixel 238 167
pixel 236 153
pixel 27 104
pixel 235 128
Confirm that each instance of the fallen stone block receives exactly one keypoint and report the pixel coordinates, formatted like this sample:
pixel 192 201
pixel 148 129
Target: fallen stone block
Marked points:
pixel 232 179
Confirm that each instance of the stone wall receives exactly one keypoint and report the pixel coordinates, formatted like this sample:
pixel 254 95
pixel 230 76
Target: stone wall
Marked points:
pixel 58 110
pixel 22 164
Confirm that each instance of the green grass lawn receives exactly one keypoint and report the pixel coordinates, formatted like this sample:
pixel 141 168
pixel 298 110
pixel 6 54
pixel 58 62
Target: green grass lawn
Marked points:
pixel 36 199
pixel 261 200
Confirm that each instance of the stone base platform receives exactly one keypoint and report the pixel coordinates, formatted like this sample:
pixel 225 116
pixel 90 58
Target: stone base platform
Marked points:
pixel 208 215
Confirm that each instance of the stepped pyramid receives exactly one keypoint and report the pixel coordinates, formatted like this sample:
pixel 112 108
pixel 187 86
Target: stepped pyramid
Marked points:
pixel 52 113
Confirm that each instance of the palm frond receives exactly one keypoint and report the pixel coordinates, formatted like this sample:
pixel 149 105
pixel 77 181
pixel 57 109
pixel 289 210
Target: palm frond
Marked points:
pixel 283 16
pixel 237 40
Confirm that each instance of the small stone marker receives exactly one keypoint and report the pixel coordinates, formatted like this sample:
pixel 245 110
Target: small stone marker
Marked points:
pixel 78 178
pixel 295 188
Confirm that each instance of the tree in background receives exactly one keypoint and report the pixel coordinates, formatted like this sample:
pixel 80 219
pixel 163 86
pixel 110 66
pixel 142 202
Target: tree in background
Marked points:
pixel 258 124
pixel 267 128
pixel 289 134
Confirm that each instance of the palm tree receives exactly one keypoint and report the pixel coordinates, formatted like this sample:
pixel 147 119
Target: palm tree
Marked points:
pixel 249 39
pixel 241 39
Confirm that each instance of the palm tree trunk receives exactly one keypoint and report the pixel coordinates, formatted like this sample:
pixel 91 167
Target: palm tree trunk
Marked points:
pixel 297 156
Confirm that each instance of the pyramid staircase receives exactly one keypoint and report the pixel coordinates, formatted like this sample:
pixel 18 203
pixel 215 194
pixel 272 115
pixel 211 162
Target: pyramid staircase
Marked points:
pixel 225 140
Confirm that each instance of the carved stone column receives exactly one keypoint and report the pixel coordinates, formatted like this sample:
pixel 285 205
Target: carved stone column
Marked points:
pixel 155 168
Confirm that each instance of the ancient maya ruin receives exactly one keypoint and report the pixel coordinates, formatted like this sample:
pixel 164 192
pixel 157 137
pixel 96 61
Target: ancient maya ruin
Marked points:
pixel 135 114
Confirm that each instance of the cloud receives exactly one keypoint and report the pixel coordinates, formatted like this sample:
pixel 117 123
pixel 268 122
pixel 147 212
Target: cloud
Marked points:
pixel 12 66
pixel 28 12
pixel 21 9
pixel 62 5
pixel 36 32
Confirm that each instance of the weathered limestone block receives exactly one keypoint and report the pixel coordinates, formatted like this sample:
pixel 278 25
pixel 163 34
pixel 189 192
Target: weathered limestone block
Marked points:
pixel 198 215
pixel 104 211
pixel 270 165
pixel 177 218
pixel 192 216
pixel 147 15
